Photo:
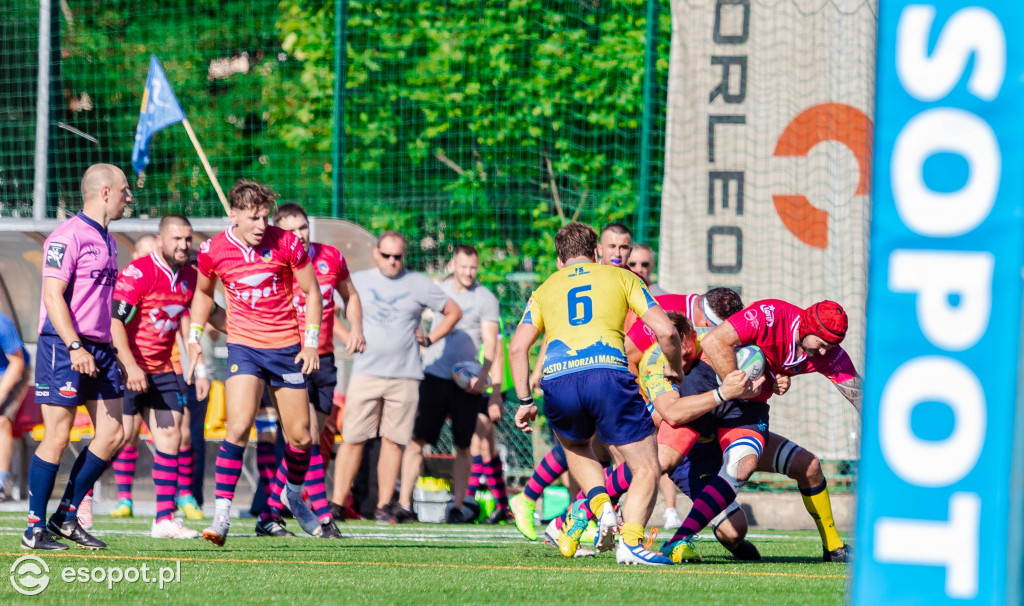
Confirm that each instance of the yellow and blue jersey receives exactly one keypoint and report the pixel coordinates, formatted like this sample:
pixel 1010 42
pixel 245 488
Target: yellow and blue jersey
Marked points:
pixel 651 375
pixel 582 308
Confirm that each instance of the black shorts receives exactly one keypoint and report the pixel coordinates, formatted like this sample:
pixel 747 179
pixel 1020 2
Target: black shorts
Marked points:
pixel 321 384
pixel 166 391
pixel 440 399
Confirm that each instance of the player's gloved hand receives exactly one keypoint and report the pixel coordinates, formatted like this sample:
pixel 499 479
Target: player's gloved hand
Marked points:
pixel 83 362
pixel 525 416
pixel 781 385
pixel 309 359
pixel 135 378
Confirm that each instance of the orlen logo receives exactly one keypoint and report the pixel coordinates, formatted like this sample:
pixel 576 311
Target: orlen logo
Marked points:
pixel 825 122
pixel 256 290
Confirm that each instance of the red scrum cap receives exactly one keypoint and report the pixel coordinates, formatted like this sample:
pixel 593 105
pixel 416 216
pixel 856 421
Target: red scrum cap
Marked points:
pixel 825 319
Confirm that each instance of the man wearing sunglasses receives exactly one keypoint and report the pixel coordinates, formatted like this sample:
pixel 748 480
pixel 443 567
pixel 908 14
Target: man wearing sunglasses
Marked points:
pixel 383 392
pixel 641 261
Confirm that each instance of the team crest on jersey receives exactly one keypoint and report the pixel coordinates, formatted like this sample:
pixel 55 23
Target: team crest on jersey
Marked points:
pixel 67 390
pixel 183 286
pixel 769 314
pixel 55 255
pixel 133 272
pixel 751 316
pixel 322 266
pixel 266 254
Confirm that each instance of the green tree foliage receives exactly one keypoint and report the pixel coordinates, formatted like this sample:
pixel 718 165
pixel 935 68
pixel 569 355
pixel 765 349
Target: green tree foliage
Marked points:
pixel 473 121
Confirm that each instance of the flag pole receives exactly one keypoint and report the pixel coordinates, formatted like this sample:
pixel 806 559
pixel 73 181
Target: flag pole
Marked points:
pixel 206 164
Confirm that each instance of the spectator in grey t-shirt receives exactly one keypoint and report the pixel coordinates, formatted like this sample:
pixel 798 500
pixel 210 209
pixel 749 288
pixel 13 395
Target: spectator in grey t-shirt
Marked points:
pixel 441 397
pixel 384 389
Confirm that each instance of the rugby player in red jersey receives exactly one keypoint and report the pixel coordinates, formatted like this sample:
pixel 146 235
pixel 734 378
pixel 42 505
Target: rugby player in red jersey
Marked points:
pixel 332 276
pixel 151 297
pixel 259 265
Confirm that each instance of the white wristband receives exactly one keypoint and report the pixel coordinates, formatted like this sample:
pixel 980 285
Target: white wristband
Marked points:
pixel 195 332
pixel 718 396
pixel 312 336
pixel 202 372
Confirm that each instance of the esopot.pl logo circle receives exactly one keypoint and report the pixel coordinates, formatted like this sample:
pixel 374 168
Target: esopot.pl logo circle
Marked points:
pixel 30 575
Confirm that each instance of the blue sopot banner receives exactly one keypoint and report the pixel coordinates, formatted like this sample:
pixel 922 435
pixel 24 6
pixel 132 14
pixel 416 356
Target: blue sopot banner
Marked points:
pixel 939 509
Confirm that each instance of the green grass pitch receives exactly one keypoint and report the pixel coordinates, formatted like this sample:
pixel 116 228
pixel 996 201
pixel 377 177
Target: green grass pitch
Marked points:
pixel 415 564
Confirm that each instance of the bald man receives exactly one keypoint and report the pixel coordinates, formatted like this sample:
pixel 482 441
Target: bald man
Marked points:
pixel 77 363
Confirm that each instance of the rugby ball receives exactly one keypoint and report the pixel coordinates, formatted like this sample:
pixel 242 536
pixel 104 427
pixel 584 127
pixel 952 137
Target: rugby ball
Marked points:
pixel 750 359
pixel 464 371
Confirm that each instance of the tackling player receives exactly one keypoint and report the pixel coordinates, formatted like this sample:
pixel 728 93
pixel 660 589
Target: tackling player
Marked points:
pixel 258 263
pixel 794 341
pixel 587 385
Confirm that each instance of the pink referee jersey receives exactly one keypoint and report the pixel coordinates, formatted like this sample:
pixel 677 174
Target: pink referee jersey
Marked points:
pixel 330 268
pixel 258 285
pixel 82 253
pixel 161 296
pixel 774 325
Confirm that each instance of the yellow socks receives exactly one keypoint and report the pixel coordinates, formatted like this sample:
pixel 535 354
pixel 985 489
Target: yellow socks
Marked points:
pixel 819 505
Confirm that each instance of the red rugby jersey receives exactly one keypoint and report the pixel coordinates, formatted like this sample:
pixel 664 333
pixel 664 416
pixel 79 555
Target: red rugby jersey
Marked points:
pixel 257 284
pixel 330 268
pixel 161 296
pixel 774 325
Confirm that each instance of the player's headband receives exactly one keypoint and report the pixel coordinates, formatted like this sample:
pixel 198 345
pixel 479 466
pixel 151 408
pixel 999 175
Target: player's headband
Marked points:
pixel 710 313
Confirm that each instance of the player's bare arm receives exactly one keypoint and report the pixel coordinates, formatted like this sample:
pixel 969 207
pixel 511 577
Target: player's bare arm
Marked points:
pixel 676 410
pixel 452 314
pixel 134 377
pixel 519 365
pixel 668 340
pixel 852 391
pixel 489 336
pixel 718 348
pixel 308 357
pixel 16 364
pixel 199 314
pixel 538 372
pixel 354 341
pixel 60 316
pixel 496 405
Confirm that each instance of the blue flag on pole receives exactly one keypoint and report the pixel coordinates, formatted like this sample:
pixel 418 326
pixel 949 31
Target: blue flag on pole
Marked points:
pixel 160 109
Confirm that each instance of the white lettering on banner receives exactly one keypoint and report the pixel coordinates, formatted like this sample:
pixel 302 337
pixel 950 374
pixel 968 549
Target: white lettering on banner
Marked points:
pixel 932 463
pixel 940 214
pixel 971 31
pixel 933 276
pixel 952 544
pixel 937 278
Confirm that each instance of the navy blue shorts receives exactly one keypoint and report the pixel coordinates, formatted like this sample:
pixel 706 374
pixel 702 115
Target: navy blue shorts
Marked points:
pixel 602 400
pixel 166 391
pixel 698 468
pixel 57 384
pixel 276 367
pixel 321 384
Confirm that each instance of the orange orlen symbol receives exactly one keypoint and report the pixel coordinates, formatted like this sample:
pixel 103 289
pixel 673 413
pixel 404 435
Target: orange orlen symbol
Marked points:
pixel 826 122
